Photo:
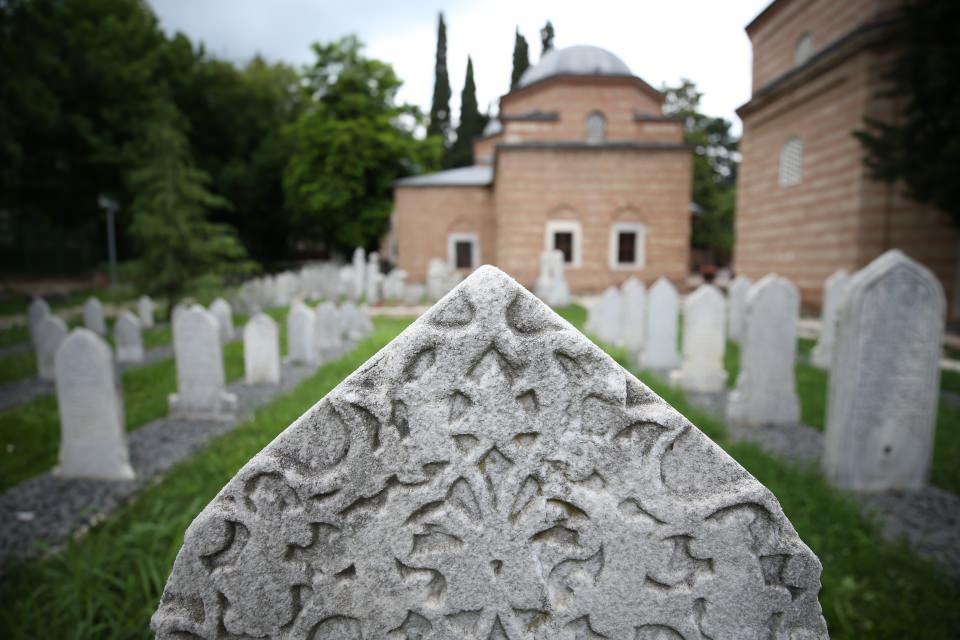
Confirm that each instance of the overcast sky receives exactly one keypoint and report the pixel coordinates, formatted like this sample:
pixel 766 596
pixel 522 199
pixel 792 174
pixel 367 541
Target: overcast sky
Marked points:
pixel 661 42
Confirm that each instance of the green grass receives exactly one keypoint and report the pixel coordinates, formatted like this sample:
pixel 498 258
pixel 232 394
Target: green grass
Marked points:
pixel 14 335
pixel 17 366
pixel 107 584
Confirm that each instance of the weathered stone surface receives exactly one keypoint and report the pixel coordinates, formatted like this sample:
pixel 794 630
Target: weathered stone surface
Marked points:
pixel 301 346
pixel 737 306
pixel 201 389
pixel 492 474
pixel 634 314
pixel 885 377
pixel 128 338
pixel 93 316
pixel 93 441
pixel 766 393
pixel 660 345
pixel 261 350
pixel 50 333
pixel 609 318
pixel 704 342
pixel 358 273
pixel 834 290
pixel 145 309
pixel 36 312
pixel 222 311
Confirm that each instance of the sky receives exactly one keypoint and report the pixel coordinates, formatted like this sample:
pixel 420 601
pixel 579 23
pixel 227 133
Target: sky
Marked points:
pixel 661 41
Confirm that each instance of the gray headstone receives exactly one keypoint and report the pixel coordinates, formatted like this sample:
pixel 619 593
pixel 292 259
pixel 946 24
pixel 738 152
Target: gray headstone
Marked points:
pixel 93 442
pixel 394 285
pixel 414 293
pixel 492 474
pixel 327 330
pixel 737 306
pixel 128 338
pixel 201 384
pixel 609 320
pixel 834 290
pixel 358 273
pixel 765 393
pixel 885 377
pixel 551 286
pixel 373 283
pixel 438 277
pixel 704 342
pixel 145 310
pixel 221 310
pixel 50 333
pixel 634 315
pixel 93 316
pixel 261 350
pixel 660 345
pixel 301 347
pixel 36 312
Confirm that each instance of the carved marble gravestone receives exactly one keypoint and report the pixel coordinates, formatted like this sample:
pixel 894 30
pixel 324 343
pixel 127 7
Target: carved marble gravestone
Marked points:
pixel 201 387
pixel 766 389
pixel 634 314
pixel 609 319
pixel 359 270
pixel 36 312
pixel 50 333
pixel 394 284
pixel 551 286
pixel 660 345
pixel 128 338
pixel 373 287
pixel 145 309
pixel 301 346
pixel 834 290
pixel 885 377
pixel 261 350
pixel 704 342
pixel 327 333
pixel 93 439
pixel 222 311
pixel 737 306
pixel 492 474
pixel 93 316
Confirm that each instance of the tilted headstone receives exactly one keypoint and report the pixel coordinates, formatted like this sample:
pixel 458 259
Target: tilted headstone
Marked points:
pixel 327 330
pixel 93 316
pixel 221 310
pixel 261 350
pixel 36 312
pixel 50 333
pixel 704 342
pixel 492 474
pixel 737 306
pixel 609 328
pixel 301 347
pixel 634 314
pixel 93 439
pixel 660 345
pixel 885 378
pixel 128 338
pixel 201 383
pixel 765 393
pixel 145 310
pixel 374 280
pixel 834 290
pixel 358 273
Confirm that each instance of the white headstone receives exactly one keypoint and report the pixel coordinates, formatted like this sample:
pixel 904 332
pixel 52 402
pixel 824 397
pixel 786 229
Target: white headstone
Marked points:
pixel 834 290
pixel 261 350
pixel 394 285
pixel 128 338
pixel 93 441
pixel 50 333
pixel 145 310
pixel 93 316
pixel 301 347
pixel 551 286
pixel 492 474
pixel 201 383
pixel 660 345
pixel 327 330
pixel 704 342
pixel 221 310
pixel 438 274
pixel 634 315
pixel 765 393
pixel 609 327
pixel 736 306
pixel 885 377
pixel 358 273
pixel 36 312
pixel 374 280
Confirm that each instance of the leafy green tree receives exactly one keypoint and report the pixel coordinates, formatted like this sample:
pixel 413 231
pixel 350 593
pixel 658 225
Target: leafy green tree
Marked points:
pixel 714 169
pixel 471 122
pixel 350 144
pixel 546 38
pixel 521 58
pixel 440 107
pixel 920 145
pixel 180 249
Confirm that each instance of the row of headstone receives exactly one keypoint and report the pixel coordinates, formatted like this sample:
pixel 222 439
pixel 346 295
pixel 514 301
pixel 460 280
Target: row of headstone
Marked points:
pixel 551 286
pixel 321 333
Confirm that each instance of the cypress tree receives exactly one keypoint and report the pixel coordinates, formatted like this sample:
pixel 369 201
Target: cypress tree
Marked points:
pixel 440 108
pixel 470 125
pixel 521 58
pixel 546 38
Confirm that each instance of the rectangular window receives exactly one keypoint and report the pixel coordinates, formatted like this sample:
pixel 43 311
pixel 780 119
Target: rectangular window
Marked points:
pixel 464 254
pixel 563 242
pixel 627 247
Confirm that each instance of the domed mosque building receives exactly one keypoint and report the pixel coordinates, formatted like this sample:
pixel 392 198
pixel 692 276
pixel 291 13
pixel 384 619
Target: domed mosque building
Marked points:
pixel 580 159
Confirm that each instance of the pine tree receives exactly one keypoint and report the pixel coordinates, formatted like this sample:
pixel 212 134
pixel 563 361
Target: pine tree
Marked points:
pixel 521 58
pixel 440 108
pixel 546 38
pixel 471 123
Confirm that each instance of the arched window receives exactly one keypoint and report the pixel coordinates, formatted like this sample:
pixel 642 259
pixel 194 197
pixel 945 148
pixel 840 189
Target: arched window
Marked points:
pixel 803 49
pixel 791 162
pixel 596 127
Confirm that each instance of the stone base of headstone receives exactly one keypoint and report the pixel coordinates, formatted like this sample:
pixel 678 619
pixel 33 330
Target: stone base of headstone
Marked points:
pixel 122 471
pixel 699 381
pixel 742 412
pixel 129 354
pixel 224 407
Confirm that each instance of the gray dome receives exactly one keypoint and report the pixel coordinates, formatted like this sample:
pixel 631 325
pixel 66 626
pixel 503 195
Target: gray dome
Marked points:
pixel 579 60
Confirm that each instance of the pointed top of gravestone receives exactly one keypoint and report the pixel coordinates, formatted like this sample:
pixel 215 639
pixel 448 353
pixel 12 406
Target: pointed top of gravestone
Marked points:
pixel 838 275
pixel 491 473
pixel 662 283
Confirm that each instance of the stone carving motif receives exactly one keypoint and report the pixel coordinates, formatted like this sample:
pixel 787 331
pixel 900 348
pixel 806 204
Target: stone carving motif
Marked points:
pixel 492 474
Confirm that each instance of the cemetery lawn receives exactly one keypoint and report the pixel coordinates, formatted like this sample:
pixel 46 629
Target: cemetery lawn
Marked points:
pixel 14 335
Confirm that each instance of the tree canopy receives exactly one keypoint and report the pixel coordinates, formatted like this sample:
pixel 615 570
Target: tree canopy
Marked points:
pixel 521 58
pixel 471 122
pixel 440 106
